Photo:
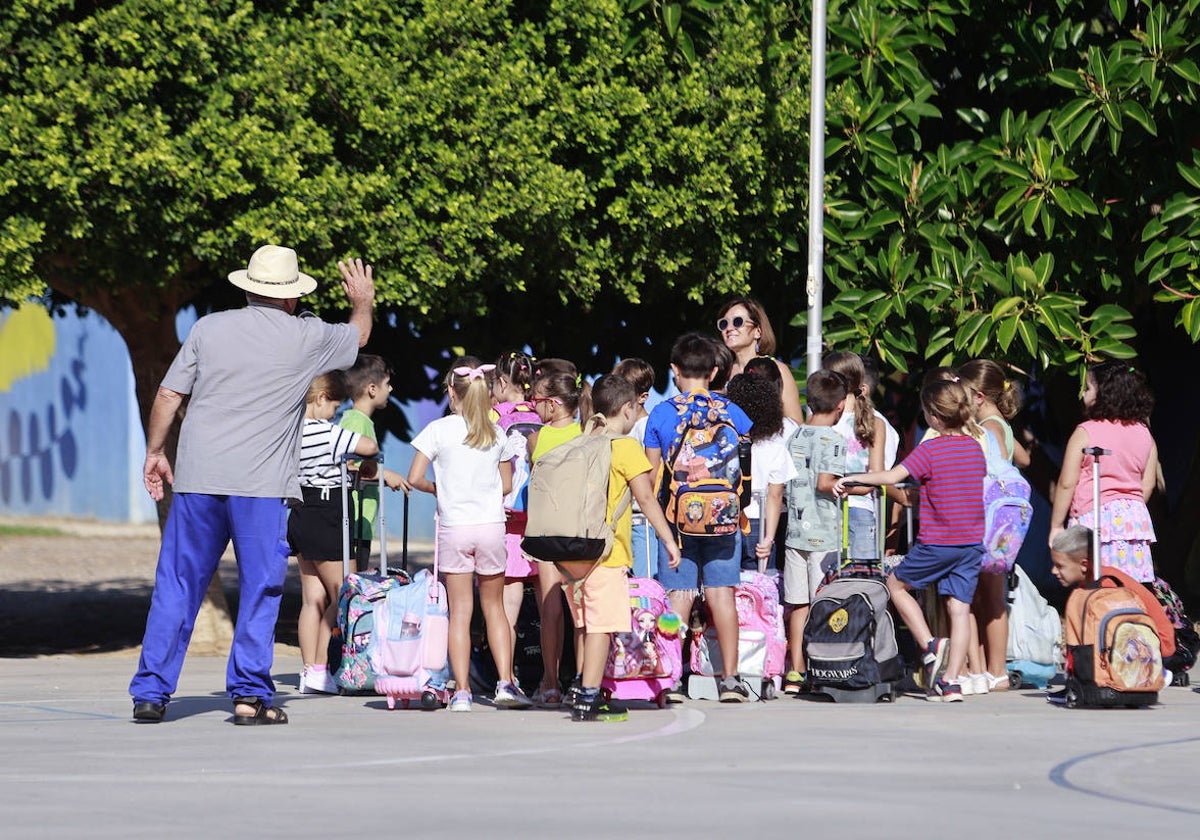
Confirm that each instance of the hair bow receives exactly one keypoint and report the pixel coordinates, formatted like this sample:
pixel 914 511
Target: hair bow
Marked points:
pixel 473 373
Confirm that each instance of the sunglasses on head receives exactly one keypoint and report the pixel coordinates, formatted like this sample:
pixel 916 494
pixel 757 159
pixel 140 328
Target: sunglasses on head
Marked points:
pixel 737 323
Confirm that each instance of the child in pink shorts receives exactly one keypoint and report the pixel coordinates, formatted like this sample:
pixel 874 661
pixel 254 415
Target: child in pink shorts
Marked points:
pixel 472 470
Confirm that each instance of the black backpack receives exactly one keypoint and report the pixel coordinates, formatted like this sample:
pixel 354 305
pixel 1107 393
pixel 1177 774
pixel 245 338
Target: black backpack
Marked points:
pixel 850 638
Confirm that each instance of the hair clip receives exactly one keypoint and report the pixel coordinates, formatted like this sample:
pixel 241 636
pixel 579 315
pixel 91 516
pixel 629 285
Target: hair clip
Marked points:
pixel 473 373
pixel 1007 384
pixel 578 381
pixel 1132 369
pixel 953 378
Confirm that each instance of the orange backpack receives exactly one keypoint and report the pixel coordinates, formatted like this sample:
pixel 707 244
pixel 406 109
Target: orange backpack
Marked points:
pixel 1111 642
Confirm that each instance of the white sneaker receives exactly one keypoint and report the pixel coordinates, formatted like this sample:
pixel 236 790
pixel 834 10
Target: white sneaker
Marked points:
pixel 509 696
pixel 461 701
pixel 964 682
pixel 980 683
pixel 317 682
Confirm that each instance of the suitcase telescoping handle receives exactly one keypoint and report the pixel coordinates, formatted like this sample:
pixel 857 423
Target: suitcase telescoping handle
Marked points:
pixel 1096 452
pixel 382 518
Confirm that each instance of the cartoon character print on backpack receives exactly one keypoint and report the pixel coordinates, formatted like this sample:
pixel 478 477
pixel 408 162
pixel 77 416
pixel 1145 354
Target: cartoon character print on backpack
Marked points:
pixel 700 494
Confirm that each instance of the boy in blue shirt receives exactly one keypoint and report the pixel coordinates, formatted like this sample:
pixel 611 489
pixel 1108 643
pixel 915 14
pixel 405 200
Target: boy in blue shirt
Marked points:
pixel 715 560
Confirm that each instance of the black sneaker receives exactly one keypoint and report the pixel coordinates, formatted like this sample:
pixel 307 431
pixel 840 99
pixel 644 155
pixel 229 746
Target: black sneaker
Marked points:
pixel 598 709
pixel 677 693
pixel 572 693
pixel 795 682
pixel 731 690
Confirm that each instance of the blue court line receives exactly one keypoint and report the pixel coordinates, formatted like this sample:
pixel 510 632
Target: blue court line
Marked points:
pixel 1058 775
pixel 56 711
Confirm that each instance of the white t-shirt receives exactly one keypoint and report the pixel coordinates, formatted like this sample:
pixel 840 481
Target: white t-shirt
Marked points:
pixel 858 455
pixel 469 490
pixel 770 463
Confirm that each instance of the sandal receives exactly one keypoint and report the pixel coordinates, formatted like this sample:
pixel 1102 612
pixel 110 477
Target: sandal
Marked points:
pixel 264 715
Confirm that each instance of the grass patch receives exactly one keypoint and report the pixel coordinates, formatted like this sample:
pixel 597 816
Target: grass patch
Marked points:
pixel 30 531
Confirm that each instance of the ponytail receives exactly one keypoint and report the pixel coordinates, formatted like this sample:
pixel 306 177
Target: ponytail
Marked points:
pixel 989 379
pixel 850 366
pixel 473 389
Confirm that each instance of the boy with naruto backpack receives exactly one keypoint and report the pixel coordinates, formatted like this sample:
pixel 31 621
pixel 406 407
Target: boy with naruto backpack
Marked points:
pixel 694 436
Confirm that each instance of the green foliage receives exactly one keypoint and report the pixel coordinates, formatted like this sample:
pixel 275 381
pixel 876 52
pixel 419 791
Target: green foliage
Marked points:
pixel 988 198
pixel 473 150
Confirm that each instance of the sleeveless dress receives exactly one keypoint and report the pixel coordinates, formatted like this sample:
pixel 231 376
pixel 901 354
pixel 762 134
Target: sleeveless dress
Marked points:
pixel 1126 531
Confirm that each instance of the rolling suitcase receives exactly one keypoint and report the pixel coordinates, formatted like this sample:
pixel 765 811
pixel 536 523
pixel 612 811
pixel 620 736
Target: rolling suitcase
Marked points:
pixel 1113 650
pixel 645 662
pixel 361 594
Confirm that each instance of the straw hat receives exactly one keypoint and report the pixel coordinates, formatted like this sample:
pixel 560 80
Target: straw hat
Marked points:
pixel 274 272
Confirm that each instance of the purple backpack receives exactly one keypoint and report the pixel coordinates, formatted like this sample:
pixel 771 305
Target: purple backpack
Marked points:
pixel 1006 510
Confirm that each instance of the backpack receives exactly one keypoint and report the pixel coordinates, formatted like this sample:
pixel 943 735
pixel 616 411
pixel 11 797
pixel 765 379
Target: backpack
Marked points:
pixel 1006 510
pixel 703 480
pixel 849 638
pixel 1034 628
pixel 361 596
pixel 762 643
pixel 1113 647
pixel 518 419
pixel 646 651
pixel 568 500
pixel 412 628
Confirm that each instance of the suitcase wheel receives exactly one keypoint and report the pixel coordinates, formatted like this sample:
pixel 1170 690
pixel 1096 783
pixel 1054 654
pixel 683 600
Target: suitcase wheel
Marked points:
pixel 1014 679
pixel 661 699
pixel 768 690
pixel 429 701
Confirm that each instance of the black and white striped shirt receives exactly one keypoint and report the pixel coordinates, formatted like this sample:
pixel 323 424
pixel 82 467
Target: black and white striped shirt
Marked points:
pixel 321 448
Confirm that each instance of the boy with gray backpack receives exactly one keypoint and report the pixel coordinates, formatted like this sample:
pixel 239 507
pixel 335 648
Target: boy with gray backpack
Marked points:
pixel 580 519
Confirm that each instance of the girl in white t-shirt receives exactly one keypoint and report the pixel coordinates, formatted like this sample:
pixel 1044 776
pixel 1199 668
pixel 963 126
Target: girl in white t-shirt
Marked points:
pixel 471 474
pixel 771 466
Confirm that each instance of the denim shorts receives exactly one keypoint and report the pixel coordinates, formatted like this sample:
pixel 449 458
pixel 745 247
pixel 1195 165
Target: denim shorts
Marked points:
pixel 954 568
pixel 862 535
pixel 715 561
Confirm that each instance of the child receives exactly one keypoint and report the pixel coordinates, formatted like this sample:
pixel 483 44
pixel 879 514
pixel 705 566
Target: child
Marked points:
pixel 715 560
pixel 597 592
pixel 814 522
pixel 645 542
pixel 771 465
pixel 1071 564
pixel 369 383
pixel 557 393
pixel 996 400
pixel 865 439
pixel 315 528
pixel 472 471
pixel 518 418
pixel 948 551
pixel 1117 405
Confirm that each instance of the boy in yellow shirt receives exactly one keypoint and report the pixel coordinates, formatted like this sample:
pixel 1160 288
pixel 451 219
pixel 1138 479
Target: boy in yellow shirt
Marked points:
pixel 597 592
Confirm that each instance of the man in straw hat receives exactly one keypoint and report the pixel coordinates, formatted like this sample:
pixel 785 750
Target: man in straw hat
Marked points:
pixel 246 371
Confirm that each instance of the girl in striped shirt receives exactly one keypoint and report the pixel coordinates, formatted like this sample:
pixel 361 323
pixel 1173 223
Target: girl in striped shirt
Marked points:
pixel 949 548
pixel 315 528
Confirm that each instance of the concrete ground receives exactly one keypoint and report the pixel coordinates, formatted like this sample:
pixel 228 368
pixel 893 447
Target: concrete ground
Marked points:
pixel 1003 765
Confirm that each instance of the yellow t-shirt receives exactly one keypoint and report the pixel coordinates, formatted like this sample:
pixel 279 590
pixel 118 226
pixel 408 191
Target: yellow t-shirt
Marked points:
pixel 628 462
pixel 549 437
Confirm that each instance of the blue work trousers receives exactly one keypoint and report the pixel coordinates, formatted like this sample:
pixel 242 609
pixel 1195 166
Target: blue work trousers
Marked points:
pixel 198 529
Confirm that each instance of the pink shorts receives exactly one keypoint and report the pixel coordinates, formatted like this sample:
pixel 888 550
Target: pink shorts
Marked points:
pixel 472 548
pixel 519 565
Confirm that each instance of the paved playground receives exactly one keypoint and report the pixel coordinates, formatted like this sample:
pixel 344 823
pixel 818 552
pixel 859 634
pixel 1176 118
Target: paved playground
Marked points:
pixel 1002 765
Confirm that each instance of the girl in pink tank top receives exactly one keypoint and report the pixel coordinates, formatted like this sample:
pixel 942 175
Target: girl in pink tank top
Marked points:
pixel 1117 405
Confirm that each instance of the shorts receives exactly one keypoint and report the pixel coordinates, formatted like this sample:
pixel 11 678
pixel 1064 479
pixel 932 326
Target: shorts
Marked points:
pixel 863 545
pixel 749 542
pixel 314 530
pixel 715 561
pixel 954 568
pixel 518 566
pixel 804 572
pixel 472 548
pixel 600 602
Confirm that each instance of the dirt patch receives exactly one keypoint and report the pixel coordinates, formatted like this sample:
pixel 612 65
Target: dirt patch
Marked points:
pixel 86 586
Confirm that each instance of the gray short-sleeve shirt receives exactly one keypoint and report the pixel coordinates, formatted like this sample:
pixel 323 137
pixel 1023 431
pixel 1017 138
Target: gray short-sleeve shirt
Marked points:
pixel 247 371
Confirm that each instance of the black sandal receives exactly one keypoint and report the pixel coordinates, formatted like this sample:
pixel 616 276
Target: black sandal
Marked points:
pixel 264 715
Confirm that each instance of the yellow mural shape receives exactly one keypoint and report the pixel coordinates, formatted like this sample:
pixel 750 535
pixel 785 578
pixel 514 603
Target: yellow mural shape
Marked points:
pixel 27 343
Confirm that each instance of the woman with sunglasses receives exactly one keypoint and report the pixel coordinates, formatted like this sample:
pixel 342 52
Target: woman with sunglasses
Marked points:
pixel 746 330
